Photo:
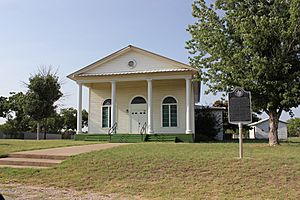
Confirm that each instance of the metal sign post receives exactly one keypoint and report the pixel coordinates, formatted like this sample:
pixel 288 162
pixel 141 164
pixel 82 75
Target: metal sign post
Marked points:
pixel 241 140
pixel 239 111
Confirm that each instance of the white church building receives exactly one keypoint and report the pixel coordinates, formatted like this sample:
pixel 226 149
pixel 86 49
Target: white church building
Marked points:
pixel 134 89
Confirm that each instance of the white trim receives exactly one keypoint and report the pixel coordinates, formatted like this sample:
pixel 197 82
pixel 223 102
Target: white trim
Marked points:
pixel 150 106
pixel 188 106
pixel 137 78
pixel 109 114
pixel 129 110
pixel 263 120
pixel 113 103
pixel 125 50
pixel 79 109
pixel 161 112
pixel 89 114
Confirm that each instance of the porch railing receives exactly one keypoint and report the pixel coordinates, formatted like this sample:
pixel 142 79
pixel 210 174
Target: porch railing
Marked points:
pixel 143 130
pixel 112 130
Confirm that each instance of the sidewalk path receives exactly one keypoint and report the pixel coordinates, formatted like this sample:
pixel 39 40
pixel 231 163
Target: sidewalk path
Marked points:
pixel 45 158
pixel 71 151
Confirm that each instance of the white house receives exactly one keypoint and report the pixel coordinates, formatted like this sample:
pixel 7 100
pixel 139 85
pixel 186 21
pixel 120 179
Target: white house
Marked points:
pixel 260 130
pixel 134 88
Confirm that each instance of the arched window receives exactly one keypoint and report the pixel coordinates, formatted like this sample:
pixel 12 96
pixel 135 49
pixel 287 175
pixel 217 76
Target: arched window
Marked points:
pixel 169 112
pixel 106 113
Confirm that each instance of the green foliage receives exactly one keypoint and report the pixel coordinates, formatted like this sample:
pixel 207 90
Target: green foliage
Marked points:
pixel 293 127
pixel 253 45
pixel 207 125
pixel 7 128
pixel 3 106
pixel 43 92
pixel 17 118
pixel 69 118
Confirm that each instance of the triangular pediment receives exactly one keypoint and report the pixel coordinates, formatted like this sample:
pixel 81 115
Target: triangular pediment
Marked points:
pixel 131 60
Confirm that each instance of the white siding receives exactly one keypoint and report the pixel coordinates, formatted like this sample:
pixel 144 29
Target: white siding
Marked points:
pixel 126 91
pixel 261 131
pixel 144 62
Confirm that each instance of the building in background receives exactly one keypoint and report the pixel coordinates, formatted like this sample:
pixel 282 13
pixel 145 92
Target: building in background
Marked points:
pixel 260 130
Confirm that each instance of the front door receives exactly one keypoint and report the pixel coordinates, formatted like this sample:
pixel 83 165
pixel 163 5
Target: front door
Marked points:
pixel 138 114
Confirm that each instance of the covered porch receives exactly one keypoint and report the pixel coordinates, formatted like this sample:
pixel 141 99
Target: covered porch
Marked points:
pixel 152 103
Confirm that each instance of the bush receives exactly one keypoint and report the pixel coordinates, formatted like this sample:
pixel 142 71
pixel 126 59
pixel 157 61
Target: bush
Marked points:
pixel 207 125
pixel 293 127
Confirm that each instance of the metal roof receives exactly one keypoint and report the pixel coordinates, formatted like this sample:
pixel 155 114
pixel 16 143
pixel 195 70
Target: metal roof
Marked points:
pixel 135 72
pixel 263 120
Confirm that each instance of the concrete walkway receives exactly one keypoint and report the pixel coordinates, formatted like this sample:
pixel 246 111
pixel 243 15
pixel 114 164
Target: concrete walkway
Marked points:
pixel 50 157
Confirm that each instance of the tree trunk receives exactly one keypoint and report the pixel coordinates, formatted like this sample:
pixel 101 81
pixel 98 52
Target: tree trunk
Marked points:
pixel 38 131
pixel 45 130
pixel 273 131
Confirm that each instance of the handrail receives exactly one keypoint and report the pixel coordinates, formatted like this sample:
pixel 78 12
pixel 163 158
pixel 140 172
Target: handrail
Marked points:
pixel 113 129
pixel 143 130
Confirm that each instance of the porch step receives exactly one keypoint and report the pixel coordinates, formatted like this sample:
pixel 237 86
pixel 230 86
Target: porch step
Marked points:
pixel 97 138
pixel 127 138
pixel 29 162
pixel 20 166
pixel 37 156
pixel 160 138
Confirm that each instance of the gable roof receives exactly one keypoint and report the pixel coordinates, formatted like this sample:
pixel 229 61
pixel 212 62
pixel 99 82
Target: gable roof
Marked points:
pixel 262 121
pixel 80 72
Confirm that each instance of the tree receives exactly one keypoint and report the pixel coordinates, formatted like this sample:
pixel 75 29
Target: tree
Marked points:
pixel 250 44
pixel 52 124
pixel 43 92
pixel 69 117
pixel 207 125
pixel 3 106
pixel 294 127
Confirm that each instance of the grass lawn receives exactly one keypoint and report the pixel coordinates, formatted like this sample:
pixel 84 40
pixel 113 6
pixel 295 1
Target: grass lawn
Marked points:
pixel 177 171
pixel 8 146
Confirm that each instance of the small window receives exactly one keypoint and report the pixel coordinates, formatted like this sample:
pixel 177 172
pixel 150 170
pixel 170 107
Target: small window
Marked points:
pixel 106 113
pixel 169 112
pixel 138 100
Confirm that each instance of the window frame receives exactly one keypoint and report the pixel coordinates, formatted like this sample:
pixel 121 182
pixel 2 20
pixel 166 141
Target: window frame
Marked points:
pixel 169 112
pixel 109 114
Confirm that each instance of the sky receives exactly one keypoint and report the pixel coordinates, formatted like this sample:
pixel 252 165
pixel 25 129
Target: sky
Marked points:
pixel 70 34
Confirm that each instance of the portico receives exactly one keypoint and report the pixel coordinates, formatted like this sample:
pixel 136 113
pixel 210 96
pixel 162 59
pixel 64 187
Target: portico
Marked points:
pixel 162 99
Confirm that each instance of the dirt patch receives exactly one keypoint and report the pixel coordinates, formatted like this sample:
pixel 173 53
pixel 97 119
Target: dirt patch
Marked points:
pixel 21 192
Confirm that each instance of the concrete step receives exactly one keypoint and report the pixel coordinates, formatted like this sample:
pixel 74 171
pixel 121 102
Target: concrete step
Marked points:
pixel 24 166
pixel 37 156
pixel 29 162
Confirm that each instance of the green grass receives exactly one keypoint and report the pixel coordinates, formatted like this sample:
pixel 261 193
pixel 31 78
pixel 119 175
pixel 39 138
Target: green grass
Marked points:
pixel 8 146
pixel 177 171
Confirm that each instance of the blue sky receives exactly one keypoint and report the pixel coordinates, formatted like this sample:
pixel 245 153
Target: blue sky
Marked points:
pixel 69 34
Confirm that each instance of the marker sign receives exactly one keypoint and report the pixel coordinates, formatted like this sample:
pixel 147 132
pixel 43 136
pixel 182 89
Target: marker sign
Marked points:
pixel 239 107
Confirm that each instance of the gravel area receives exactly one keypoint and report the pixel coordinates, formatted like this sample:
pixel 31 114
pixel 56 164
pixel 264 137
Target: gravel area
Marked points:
pixel 22 192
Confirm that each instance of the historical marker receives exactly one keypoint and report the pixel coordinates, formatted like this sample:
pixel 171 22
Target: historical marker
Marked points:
pixel 239 111
pixel 239 107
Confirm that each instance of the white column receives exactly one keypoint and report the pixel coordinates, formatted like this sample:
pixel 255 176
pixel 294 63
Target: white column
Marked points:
pixel 79 109
pixel 188 105
pixel 113 103
pixel 150 107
